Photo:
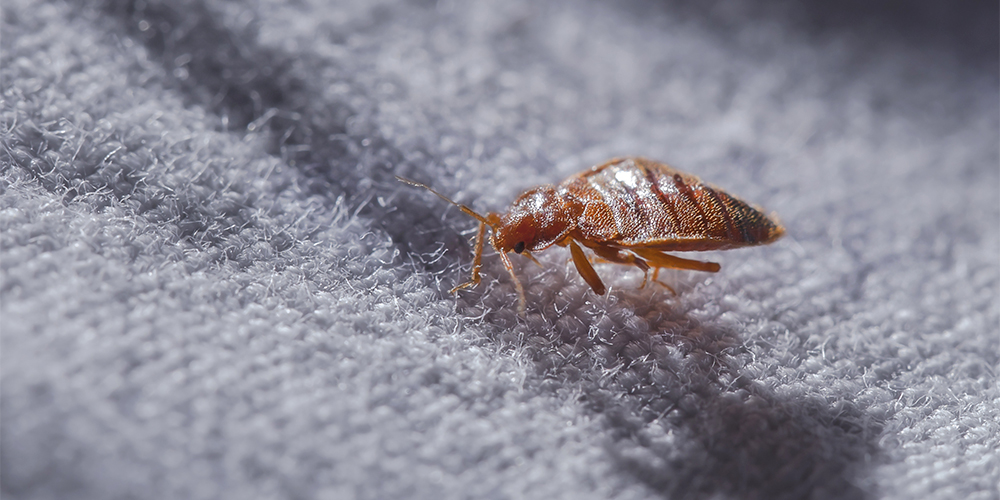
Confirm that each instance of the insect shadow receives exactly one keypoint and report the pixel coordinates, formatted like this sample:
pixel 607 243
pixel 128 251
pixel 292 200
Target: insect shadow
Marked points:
pixel 683 415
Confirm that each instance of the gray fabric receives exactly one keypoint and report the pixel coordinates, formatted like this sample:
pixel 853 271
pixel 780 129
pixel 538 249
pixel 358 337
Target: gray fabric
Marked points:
pixel 213 287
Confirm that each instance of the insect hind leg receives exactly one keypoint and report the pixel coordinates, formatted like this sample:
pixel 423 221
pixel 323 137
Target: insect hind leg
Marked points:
pixel 658 259
pixel 616 256
pixel 650 258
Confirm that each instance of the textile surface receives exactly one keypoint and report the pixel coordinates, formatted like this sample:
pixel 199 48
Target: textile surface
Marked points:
pixel 214 287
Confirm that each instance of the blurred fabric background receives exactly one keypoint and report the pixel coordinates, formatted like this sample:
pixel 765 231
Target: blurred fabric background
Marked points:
pixel 213 286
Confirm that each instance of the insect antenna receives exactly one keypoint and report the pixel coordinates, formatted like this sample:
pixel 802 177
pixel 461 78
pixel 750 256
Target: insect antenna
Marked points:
pixel 462 207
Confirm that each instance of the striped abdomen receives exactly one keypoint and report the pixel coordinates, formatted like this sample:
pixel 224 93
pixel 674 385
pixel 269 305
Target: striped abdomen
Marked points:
pixel 635 202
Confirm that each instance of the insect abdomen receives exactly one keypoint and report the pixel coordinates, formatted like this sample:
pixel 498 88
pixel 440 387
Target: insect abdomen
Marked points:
pixel 635 202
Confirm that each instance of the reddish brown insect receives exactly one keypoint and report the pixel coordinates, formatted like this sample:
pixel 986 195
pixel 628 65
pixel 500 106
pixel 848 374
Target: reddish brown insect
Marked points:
pixel 628 211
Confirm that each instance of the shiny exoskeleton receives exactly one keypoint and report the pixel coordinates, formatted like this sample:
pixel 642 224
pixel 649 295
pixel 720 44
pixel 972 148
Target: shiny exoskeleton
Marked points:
pixel 628 211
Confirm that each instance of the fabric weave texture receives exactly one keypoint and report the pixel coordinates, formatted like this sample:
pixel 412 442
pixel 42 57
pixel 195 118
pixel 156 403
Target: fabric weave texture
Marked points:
pixel 214 287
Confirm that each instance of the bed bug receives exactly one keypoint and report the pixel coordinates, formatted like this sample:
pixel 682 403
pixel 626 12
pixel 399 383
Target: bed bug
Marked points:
pixel 627 211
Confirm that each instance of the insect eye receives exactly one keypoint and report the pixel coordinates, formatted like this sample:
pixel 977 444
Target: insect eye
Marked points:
pixel 519 247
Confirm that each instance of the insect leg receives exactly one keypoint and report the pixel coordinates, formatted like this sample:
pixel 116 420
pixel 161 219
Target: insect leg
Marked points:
pixel 585 269
pixel 617 256
pixel 614 255
pixel 521 302
pixel 656 279
pixel 657 258
pixel 477 261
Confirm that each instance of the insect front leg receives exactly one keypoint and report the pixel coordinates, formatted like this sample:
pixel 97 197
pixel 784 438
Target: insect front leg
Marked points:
pixel 521 301
pixel 477 261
